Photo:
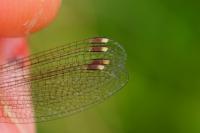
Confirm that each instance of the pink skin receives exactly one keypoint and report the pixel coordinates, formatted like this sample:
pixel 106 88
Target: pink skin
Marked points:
pixel 10 49
pixel 18 19
pixel 22 17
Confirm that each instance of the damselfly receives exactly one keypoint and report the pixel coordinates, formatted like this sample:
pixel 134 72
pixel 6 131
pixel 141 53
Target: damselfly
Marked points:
pixel 61 81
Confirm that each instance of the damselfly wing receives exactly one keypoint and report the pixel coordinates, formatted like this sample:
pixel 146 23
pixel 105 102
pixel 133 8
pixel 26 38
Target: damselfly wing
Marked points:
pixel 61 81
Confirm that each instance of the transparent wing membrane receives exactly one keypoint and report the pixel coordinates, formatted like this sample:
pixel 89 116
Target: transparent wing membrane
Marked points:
pixel 61 81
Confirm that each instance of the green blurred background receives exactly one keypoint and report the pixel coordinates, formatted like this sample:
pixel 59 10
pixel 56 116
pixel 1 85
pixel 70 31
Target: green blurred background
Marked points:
pixel 162 39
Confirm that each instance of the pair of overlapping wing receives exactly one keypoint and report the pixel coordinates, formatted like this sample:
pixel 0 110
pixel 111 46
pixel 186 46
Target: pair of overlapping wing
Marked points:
pixel 58 82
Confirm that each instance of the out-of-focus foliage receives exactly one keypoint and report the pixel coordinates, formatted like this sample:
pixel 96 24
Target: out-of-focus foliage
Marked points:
pixel 162 39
